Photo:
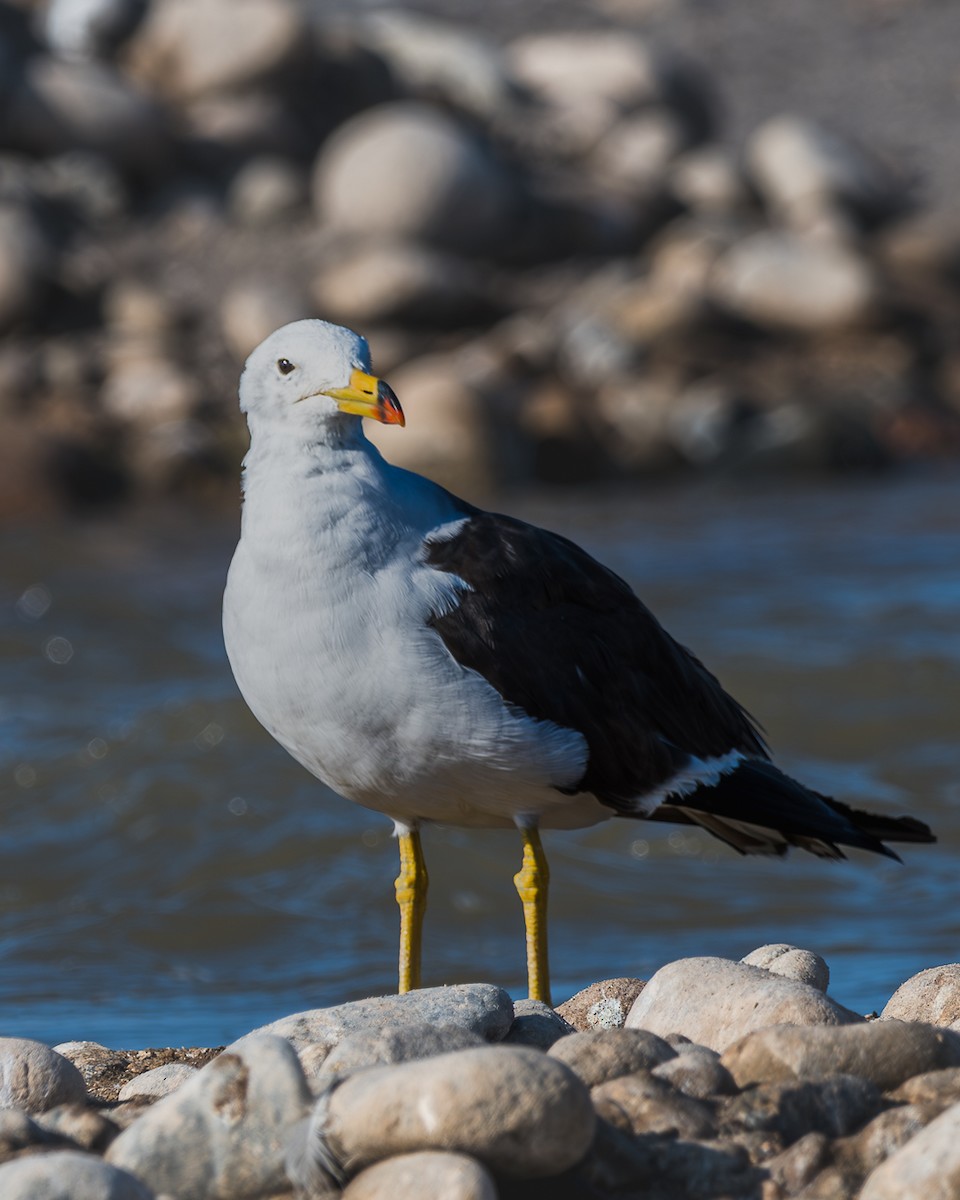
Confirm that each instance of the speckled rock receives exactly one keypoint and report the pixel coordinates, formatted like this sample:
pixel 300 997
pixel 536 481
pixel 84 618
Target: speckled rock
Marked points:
pixel 444 186
pixel 792 962
pixel 836 1106
pixel 885 1052
pixel 932 996
pixel 380 1047
pixel 926 1168
pixel 68 1175
pixel 641 1103
pixel 697 1071
pixel 428 1173
pixel 536 1024
pixel 716 1001
pixel 222 1135
pixel 605 1054
pixel 602 1005
pixel 481 1007
pixel 161 1081
pixel 516 1110
pixel 785 281
pixel 35 1078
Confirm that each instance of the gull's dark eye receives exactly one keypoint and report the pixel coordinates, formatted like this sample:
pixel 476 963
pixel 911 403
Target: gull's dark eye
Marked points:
pixel 284 366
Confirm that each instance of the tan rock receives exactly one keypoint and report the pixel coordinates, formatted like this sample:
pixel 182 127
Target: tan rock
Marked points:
pixel 932 996
pixel 885 1052
pixel 160 1081
pixel 427 1173
pixel 35 1078
pixel 697 1072
pixel 602 1005
pixel 715 1001
pixel 641 1103
pixel 791 962
pixel 926 1168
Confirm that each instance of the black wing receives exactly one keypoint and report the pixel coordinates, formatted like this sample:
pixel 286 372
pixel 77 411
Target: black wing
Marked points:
pixel 567 641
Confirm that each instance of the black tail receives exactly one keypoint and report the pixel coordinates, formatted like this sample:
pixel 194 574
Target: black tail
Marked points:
pixel 757 809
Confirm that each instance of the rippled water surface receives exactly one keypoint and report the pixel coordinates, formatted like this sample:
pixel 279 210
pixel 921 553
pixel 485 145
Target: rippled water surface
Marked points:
pixel 169 876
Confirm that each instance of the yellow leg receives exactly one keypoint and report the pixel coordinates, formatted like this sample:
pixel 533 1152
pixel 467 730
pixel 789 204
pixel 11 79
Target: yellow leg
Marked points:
pixel 411 888
pixel 532 882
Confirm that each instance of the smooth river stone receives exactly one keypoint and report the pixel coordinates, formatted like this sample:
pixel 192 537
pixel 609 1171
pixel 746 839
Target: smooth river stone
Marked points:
pixel 605 1054
pixel 926 1168
pixel 482 1008
pixel 381 1047
pixel 68 1175
pixel 641 1103
pixel 698 1072
pixel 35 1078
pixel 517 1110
pixel 536 1024
pixel 222 1135
pixel 792 962
pixel 932 996
pixel 886 1052
pixel 161 1081
pixel 716 1001
pixel 428 1173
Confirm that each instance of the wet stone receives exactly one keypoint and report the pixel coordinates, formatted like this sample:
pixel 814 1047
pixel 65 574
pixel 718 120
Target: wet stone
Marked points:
pixel 515 1109
pixel 483 1008
pixel 885 1052
pixel 606 1054
pixel 428 1173
pixel 602 1005
pixel 68 1175
pixel 222 1134
pixel 536 1024
pixel 35 1078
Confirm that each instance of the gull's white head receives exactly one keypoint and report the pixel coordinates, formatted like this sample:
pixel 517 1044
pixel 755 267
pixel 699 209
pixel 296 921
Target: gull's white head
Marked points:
pixel 311 375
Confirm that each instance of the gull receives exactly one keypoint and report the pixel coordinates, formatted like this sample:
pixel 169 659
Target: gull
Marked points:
pixel 438 663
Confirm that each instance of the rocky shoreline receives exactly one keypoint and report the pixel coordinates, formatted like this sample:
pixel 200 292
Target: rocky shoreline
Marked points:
pixel 564 269
pixel 714 1080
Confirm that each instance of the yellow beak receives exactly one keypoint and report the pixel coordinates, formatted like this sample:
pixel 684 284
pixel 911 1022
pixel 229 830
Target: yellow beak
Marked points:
pixel 368 396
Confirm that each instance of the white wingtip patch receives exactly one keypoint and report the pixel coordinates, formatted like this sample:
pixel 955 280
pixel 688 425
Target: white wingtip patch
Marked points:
pixel 698 772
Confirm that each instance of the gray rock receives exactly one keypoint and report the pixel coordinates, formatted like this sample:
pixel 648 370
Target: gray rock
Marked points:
pixel 401 282
pixel 835 1107
pixel 222 1135
pixel 641 1103
pixel 792 962
pixel 801 168
pixel 26 260
pixel 715 1001
pixel 434 60
pixel 380 1047
pixel 90 29
pixel 602 1005
pixel 161 1081
pixel 68 1175
pixel 191 48
pixel 697 1072
pixel 926 1168
pixel 863 1152
pixel 932 996
pixel 605 1054
pixel 796 1166
pixel 427 1173
pixel 885 1052
pixel 482 1008
pixel 516 1110
pixel 35 1078
pixel 444 186
pixel 267 190
pixel 785 281
pixel 706 180
pixel 60 106
pixel 536 1024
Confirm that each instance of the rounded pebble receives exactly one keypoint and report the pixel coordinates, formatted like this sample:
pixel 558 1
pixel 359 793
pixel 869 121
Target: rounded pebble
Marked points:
pixel 68 1175
pixel 35 1078
pixel 426 1174
pixel 161 1081
pixel 792 962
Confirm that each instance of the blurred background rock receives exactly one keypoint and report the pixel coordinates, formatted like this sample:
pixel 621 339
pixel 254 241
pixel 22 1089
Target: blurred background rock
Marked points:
pixel 619 239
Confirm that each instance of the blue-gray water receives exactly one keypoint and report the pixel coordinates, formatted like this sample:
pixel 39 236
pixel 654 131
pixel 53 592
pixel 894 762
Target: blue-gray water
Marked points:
pixel 168 876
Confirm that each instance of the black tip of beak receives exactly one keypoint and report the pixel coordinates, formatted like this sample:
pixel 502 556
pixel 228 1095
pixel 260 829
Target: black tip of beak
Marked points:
pixel 390 412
